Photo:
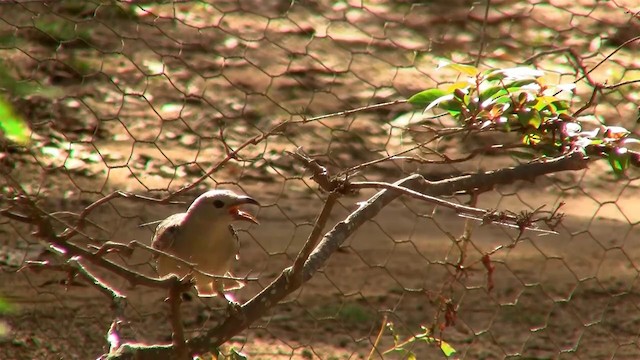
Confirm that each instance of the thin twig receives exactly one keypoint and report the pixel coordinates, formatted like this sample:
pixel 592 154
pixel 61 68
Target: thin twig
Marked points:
pixel 634 39
pixel 374 348
pixel 320 173
pixel 349 112
pixel 466 211
pixel 72 231
pixel 127 249
pixel 74 268
pixel 620 84
pixel 230 155
pixel 588 103
pixel 573 55
pixel 179 344
pixel 489 149
pixel 97 283
pixel 312 240
pixel 464 240
pixel 483 35
pixel 439 134
pixel 45 231
pixel 70 213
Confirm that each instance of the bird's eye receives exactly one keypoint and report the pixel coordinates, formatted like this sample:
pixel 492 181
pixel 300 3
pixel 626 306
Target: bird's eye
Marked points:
pixel 218 203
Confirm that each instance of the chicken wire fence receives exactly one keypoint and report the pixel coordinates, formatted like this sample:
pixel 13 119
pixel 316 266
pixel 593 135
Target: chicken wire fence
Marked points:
pixel 130 101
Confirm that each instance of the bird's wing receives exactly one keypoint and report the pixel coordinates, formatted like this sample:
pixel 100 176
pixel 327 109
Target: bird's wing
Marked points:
pixel 166 232
pixel 234 233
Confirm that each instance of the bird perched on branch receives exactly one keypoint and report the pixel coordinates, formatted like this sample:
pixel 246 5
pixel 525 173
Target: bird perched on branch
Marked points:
pixel 203 236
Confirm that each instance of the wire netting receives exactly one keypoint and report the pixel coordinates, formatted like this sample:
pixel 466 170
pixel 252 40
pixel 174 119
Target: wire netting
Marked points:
pixel 148 97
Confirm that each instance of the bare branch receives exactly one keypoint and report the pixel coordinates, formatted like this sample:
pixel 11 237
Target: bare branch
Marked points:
pixel 230 155
pixel 310 244
pixel 483 34
pixel 98 284
pixel 376 343
pixel 486 216
pixel 320 173
pixel 179 343
pixel 606 58
pixel 74 268
pixel 482 182
pixel 127 250
pixel 349 112
pixel 72 231
pixel 32 214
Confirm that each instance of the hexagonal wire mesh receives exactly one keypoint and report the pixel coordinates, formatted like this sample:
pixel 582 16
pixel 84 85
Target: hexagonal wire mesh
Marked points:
pixel 158 98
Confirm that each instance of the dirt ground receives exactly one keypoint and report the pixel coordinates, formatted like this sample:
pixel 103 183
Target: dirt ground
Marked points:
pixel 137 98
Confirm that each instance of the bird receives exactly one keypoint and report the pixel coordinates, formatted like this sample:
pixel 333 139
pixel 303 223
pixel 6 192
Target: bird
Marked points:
pixel 204 236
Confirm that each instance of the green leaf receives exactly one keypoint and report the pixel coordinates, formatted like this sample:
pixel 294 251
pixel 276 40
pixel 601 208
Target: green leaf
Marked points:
pixel 493 75
pixel 459 85
pixel 426 97
pixel 561 106
pixel 461 68
pixel 619 160
pixel 5 329
pixel 236 355
pixel 438 101
pixel 529 117
pixel 517 73
pixel 447 349
pixel 454 108
pixel 552 103
pixel 14 128
pixel 492 92
pixel 23 88
pixel 520 83
pixel 495 92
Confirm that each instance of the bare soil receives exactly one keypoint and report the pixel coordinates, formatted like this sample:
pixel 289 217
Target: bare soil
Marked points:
pixel 138 97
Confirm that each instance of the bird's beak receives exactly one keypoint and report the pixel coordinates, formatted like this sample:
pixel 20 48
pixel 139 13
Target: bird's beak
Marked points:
pixel 242 215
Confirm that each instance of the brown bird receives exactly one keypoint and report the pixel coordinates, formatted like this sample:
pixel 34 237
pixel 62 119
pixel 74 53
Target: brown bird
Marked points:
pixel 204 236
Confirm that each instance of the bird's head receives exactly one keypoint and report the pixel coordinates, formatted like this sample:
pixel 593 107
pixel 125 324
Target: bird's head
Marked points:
pixel 222 204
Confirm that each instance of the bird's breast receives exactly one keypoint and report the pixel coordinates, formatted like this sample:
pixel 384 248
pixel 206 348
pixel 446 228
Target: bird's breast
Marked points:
pixel 207 244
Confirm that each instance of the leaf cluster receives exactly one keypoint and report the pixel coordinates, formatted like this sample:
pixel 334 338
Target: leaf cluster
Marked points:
pixel 519 100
